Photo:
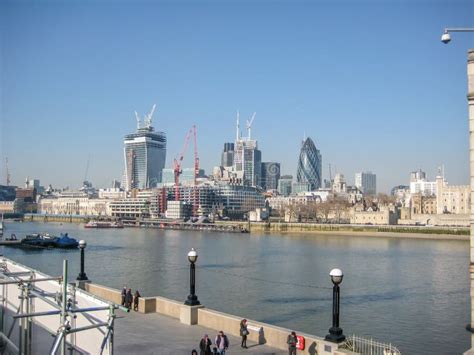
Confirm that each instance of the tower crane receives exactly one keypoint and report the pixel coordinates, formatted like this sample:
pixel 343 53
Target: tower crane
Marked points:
pixel 178 161
pixel 177 165
pixel 249 125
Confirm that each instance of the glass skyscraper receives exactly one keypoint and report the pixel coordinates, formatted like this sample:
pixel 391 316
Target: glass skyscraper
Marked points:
pixel 309 165
pixel 145 155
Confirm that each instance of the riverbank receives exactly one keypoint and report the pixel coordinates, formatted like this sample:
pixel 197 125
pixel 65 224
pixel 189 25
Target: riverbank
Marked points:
pixel 388 231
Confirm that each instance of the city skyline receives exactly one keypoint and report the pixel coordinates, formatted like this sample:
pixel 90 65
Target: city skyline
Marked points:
pixel 70 90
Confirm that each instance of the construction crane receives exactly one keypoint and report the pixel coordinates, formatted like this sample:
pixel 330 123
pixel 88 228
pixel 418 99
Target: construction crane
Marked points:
pixel 177 165
pixel 178 161
pixel 249 125
pixel 196 158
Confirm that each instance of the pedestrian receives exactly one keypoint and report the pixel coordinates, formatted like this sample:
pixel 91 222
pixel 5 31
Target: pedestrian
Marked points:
pixel 205 345
pixel 194 352
pixel 128 299
pixel 136 299
pixel 124 293
pixel 244 332
pixel 291 341
pixel 222 343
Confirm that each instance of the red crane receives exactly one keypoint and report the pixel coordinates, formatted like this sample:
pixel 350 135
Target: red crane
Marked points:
pixel 177 162
pixel 196 159
pixel 177 166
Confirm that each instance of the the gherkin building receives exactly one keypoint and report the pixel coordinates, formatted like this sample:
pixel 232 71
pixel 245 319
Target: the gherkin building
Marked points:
pixel 309 165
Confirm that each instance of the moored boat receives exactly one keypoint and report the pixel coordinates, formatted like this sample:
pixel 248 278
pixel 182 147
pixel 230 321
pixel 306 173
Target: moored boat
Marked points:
pixel 45 240
pixel 103 224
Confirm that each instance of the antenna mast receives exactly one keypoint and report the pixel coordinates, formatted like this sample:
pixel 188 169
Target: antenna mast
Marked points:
pixel 8 173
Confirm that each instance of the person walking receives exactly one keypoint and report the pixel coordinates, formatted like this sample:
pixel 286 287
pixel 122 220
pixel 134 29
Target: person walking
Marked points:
pixel 244 332
pixel 222 343
pixel 123 294
pixel 205 345
pixel 136 299
pixel 128 299
pixel 291 341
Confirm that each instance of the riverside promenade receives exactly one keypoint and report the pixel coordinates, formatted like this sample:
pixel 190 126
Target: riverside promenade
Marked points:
pixel 152 333
pixel 165 326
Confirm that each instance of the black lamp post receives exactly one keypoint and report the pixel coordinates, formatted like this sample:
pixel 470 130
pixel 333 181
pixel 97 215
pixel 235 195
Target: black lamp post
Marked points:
pixel 82 275
pixel 192 298
pixel 335 333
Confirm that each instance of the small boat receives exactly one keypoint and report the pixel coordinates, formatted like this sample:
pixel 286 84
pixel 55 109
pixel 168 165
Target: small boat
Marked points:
pixel 39 240
pixel 103 224
pixel 45 240
pixel 64 242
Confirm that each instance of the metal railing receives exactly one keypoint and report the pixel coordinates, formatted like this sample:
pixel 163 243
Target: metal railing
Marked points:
pixel 369 346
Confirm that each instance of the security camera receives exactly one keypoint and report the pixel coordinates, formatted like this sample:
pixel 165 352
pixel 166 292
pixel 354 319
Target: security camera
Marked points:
pixel 445 38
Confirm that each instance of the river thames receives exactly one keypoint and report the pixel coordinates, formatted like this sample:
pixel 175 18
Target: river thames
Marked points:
pixel 413 293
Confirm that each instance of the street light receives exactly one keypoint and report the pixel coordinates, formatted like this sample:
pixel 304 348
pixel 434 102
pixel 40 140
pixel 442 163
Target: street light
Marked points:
pixel 192 299
pixel 445 38
pixel 335 333
pixel 82 275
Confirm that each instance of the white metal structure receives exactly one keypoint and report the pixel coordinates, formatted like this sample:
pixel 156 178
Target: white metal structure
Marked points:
pixel 369 346
pixel 249 126
pixel 35 306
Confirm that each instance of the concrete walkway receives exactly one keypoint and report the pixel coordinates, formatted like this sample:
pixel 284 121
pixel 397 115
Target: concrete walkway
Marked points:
pixel 157 334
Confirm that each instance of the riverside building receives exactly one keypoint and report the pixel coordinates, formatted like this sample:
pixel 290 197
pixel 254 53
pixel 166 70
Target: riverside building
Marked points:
pixel 145 155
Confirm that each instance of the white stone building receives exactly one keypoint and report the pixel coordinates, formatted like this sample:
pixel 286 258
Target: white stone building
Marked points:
pixel 81 206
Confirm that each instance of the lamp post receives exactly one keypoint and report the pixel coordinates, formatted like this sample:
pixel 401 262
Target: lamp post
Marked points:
pixel 82 275
pixel 335 333
pixel 446 38
pixel 192 299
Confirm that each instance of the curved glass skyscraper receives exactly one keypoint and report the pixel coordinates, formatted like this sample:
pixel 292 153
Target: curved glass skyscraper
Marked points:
pixel 309 165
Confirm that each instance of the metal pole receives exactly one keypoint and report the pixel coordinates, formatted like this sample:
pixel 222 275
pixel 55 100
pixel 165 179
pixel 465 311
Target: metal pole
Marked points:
pixel 193 280
pixel 20 323
pixel 64 309
pixel 470 99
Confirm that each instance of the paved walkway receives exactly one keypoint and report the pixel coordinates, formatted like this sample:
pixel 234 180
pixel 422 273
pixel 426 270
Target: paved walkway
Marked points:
pixel 157 334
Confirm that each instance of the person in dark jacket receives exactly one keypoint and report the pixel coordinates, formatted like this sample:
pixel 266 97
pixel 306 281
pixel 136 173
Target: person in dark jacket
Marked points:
pixel 222 343
pixel 136 298
pixel 205 345
pixel 291 341
pixel 128 299
pixel 124 293
pixel 243 333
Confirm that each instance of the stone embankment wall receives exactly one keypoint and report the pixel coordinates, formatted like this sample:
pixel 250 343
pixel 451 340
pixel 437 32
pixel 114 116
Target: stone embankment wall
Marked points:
pixel 347 228
pixel 260 333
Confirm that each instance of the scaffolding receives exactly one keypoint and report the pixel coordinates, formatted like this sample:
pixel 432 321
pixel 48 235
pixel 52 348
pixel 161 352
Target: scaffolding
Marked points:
pixel 37 305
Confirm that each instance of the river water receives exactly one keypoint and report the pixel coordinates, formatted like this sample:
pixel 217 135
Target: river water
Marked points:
pixel 413 293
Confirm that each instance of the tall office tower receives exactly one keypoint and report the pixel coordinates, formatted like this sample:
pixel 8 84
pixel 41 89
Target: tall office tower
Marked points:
pixel 227 158
pixel 284 185
pixel 247 157
pixel 270 176
pixel 309 165
pixel 366 182
pixel 145 155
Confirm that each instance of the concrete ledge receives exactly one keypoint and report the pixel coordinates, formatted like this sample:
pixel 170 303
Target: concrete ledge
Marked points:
pixel 189 314
pixel 147 305
pixel 104 292
pixel 168 307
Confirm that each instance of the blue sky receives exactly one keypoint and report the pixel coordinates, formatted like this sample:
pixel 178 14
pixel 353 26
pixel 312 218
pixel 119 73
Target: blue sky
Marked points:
pixel 369 81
